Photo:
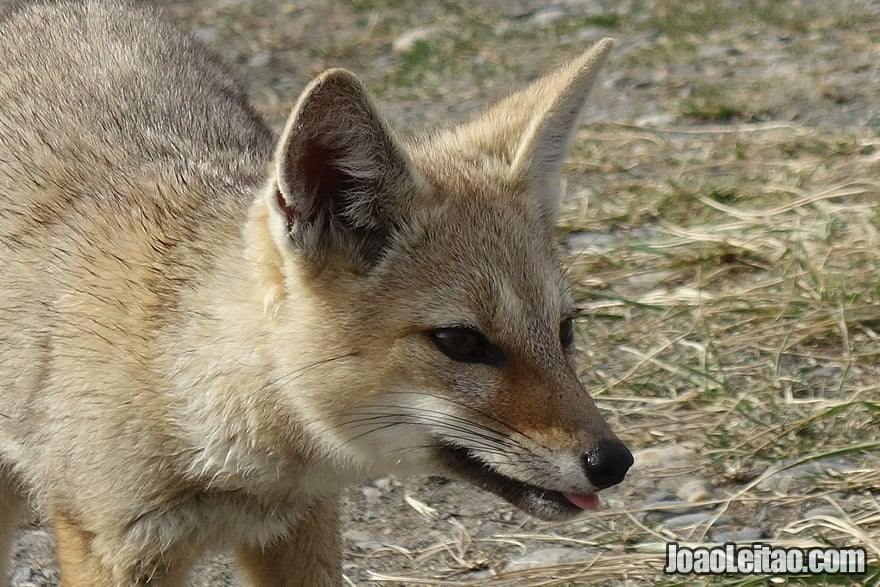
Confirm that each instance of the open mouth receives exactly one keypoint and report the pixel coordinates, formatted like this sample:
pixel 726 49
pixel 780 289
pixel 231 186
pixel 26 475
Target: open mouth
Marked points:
pixel 540 502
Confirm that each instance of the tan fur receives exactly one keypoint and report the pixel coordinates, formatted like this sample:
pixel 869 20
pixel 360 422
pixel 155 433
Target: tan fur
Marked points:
pixel 11 510
pixel 311 557
pixel 206 333
pixel 81 567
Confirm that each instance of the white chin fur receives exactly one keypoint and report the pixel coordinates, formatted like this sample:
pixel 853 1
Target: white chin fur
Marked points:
pixel 378 440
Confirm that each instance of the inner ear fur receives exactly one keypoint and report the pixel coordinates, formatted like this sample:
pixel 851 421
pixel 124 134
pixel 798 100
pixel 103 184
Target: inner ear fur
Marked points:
pixel 342 178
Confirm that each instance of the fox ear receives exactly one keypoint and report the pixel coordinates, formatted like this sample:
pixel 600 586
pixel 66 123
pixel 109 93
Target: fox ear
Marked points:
pixel 533 127
pixel 341 176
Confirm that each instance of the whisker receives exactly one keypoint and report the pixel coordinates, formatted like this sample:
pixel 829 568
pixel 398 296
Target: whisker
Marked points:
pixel 371 431
pixel 485 414
pixel 480 429
pixel 487 444
pixel 287 378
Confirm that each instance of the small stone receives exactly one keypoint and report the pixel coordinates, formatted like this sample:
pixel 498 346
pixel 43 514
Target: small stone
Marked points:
pixel 619 82
pixel 362 540
pixel 740 535
pixel 545 557
pixel 371 493
pixel 668 509
pixel 668 484
pixel 610 503
pixel 690 520
pixel 659 497
pixel 827 372
pixel 781 479
pixel 384 484
pixel 826 511
pixel 776 483
pixel 591 34
pixel 589 241
pixel 206 34
pixel 649 279
pixel 695 490
pixel 718 51
pixel 477 577
pixel 656 119
pixel 548 15
pixel 407 41
pixel 261 59
pixel 585 241
pixel 663 456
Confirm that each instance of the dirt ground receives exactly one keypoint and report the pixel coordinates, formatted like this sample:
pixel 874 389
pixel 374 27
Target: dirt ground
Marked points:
pixel 688 110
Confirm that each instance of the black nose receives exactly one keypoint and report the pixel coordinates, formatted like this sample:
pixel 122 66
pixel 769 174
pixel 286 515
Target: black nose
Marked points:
pixel 606 463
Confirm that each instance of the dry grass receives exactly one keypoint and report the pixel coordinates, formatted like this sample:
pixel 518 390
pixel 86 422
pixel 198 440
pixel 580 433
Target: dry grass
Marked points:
pixel 758 338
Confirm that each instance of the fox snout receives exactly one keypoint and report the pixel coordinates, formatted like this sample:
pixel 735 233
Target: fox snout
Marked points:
pixel 607 463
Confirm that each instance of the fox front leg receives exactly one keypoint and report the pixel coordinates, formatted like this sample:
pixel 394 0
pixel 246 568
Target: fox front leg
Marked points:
pixel 81 566
pixel 310 556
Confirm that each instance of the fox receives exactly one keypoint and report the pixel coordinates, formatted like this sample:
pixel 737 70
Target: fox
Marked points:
pixel 209 330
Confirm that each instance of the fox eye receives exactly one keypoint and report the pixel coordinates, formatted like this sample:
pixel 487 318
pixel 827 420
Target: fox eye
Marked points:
pixel 466 345
pixel 566 332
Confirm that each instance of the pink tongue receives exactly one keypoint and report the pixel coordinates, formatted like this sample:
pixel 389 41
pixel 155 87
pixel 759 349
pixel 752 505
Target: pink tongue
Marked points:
pixel 589 501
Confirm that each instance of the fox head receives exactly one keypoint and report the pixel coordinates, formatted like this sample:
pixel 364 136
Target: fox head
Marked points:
pixel 422 320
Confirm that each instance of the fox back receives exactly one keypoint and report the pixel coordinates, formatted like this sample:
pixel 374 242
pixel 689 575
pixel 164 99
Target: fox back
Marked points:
pixel 208 331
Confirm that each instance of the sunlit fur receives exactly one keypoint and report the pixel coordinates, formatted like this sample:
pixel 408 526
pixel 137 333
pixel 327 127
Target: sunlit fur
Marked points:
pixel 207 332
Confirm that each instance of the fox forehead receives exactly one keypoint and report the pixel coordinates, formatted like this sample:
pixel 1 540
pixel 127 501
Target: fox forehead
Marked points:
pixel 478 259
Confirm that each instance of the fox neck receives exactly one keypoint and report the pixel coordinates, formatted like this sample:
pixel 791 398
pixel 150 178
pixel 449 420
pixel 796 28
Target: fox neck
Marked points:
pixel 224 367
